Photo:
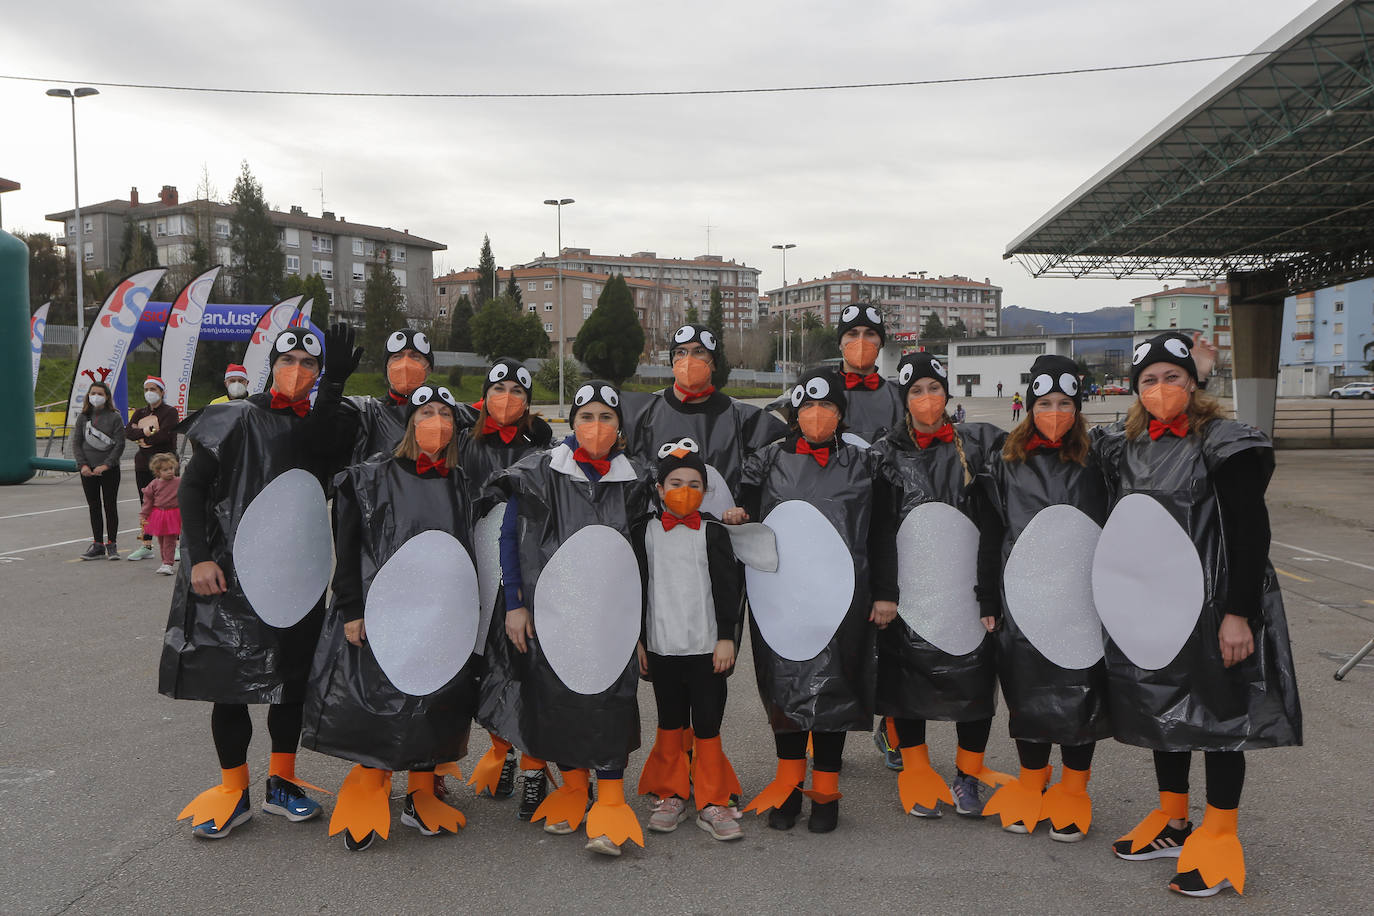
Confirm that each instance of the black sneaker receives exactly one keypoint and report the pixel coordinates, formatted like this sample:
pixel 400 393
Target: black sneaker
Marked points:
pixel 94 552
pixel 1192 885
pixel 533 792
pixel 111 551
pixel 358 845
pixel 784 816
pixel 505 786
pixel 410 818
pixel 1070 834
pixel 892 757
pixel 825 816
pixel 1167 845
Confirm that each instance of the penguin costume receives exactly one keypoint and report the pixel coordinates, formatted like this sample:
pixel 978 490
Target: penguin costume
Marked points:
pixel 504 432
pixel 1197 653
pixel 248 602
pixel 399 693
pixel 726 430
pixel 938 660
pixel 809 621
pixel 1052 500
pixel 574 600
pixel 875 403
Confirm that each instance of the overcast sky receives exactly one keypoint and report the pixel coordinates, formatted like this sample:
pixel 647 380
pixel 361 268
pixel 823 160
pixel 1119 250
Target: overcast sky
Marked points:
pixel 936 178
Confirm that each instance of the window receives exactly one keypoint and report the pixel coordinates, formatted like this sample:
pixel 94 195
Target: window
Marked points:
pixel 89 225
pixel 969 380
pixel 443 311
pixel 1340 305
pixel 548 327
pixel 329 291
pixel 89 252
pixel 548 306
pixel 1025 378
pixel 222 228
pixel 357 248
pixel 314 243
pixel 398 254
pixel 161 228
pixel 326 270
pixel 548 284
pixel 529 287
pixel 358 274
pixel 587 309
pixel 357 295
pixel 1338 349
pixel 532 307
pixel 293 238
pixel 293 264
pixel 462 290
pixel 400 275
pixel 588 291
pixel 1340 327
pixel 443 290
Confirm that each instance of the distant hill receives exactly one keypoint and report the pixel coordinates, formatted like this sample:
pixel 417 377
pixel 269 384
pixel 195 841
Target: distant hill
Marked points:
pixel 1019 320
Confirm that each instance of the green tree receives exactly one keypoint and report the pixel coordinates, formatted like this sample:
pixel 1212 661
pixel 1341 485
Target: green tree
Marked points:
pixel 611 340
pixel 500 328
pixel 547 376
pixel 383 311
pixel 485 286
pixel 934 328
pixel 310 288
pixel 258 264
pixel 459 326
pixel 715 320
pixel 51 277
pixel 692 316
pixel 958 329
pixel 137 250
pixel 513 291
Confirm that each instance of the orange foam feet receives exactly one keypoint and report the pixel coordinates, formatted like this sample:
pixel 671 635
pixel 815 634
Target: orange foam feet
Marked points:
pixel 449 769
pixel 791 774
pixel 1067 801
pixel 611 817
pixel 487 773
pixel 1021 800
pixel 218 804
pixel 364 804
pixel 567 803
pixel 715 778
pixel 1214 850
pixel 665 771
pixel 918 783
pixel 433 812
pixel 825 787
pixel 971 763
pixel 1172 806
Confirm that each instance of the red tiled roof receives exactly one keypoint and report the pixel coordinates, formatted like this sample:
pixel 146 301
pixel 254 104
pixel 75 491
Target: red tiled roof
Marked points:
pixel 1207 290
pixel 540 273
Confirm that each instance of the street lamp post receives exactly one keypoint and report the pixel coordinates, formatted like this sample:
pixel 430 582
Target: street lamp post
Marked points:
pixel 559 204
pixel 783 248
pixel 80 92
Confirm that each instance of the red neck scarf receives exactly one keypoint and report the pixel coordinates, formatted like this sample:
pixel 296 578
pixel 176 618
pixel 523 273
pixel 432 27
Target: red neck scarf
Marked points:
pixel 424 463
pixel 1178 426
pixel 821 454
pixel 854 380
pixel 688 397
pixel 397 398
pixel 692 521
pixel 507 433
pixel 602 465
pixel 1038 441
pixel 944 434
pixel 301 407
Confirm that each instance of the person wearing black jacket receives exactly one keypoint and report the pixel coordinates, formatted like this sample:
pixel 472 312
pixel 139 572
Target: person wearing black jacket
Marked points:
pixel 154 429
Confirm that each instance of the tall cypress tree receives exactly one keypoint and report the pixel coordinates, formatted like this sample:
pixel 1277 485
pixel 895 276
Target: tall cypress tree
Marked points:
pixel 383 310
pixel 513 291
pixel 258 264
pixel 486 276
pixel 715 320
pixel 611 340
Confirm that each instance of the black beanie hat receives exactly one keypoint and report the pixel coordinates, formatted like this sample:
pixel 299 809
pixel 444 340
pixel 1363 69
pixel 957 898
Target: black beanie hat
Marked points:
pixel 920 365
pixel 602 392
pixel 698 333
pixel 424 394
pixel 684 453
pixel 409 339
pixel 512 370
pixel 820 384
pixel 862 315
pixel 296 339
pixel 1169 347
pixel 1054 373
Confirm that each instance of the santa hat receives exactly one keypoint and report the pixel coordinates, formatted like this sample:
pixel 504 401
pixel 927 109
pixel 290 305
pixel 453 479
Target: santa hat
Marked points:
pixel 154 380
pixel 235 371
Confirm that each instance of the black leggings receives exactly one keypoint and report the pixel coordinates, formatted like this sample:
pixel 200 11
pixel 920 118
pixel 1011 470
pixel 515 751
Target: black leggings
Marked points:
pixel 103 489
pixel 1035 755
pixel 688 692
pixel 232 729
pixel 1225 775
pixel 143 477
pixel 973 736
pixel 827 748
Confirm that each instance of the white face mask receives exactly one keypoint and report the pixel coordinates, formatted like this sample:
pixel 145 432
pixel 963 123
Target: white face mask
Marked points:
pixel 97 400
pixel 237 390
pixel 152 397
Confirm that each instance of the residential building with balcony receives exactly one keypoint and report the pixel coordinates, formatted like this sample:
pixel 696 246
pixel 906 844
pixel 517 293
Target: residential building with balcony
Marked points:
pixel 906 302
pixel 1331 328
pixel 1205 307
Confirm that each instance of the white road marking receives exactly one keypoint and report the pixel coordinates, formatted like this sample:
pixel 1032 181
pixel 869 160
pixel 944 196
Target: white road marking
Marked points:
pixel 8 553
pixel 1324 556
pixel 63 509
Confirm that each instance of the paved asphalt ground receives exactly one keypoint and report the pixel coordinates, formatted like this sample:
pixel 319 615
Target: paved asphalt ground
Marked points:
pixel 94 766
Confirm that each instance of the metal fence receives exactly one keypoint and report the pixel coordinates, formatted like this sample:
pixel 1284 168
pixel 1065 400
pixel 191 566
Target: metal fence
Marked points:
pixel 1347 424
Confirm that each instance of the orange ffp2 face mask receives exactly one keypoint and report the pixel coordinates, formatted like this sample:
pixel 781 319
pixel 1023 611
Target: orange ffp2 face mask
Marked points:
pixel 405 374
pixel 861 353
pixel 505 407
pixel 1053 424
pixel 927 409
pixel 682 501
pixel 692 374
pixel 293 381
pixel 1165 401
pixel 818 423
pixel 434 433
pixel 596 438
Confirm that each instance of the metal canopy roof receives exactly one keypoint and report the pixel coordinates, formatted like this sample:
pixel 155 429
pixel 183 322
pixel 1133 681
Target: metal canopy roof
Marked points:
pixel 1272 165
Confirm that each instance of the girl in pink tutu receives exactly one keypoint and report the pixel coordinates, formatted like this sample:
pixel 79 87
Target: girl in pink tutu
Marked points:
pixel 160 514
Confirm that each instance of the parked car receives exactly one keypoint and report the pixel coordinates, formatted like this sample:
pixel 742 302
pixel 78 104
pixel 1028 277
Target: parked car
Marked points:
pixel 1355 390
pixel 1114 389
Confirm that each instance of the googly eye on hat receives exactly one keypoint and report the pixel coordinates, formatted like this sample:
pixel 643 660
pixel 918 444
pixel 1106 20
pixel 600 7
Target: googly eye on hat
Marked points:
pixel 905 373
pixel 698 333
pixel 1170 347
pixel 610 395
pixel 850 313
pixel 1042 385
pixel 1068 382
pixel 861 315
pixel 684 453
pixel 820 384
pixel 1049 373
pixel 919 365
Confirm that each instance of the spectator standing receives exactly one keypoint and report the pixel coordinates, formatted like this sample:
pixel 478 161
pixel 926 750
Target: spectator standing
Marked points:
pixel 154 428
pixel 1016 404
pixel 160 513
pixel 97 443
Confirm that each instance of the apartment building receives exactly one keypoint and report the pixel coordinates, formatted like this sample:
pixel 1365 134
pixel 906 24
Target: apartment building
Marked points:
pixel 660 306
pixel 1205 307
pixel 1332 328
pixel 339 251
pixel 906 302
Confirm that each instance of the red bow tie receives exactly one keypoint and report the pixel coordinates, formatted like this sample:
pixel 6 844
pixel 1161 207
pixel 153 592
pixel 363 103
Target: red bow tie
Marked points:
pixel 602 465
pixel 822 454
pixel 507 433
pixel 1178 426
pixel 686 396
pixel 692 521
pixel 944 434
pixel 1037 441
pixel 301 407
pixel 423 463
pixel 854 380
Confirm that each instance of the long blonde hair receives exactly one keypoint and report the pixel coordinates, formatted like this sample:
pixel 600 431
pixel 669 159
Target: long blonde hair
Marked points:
pixel 1202 409
pixel 958 442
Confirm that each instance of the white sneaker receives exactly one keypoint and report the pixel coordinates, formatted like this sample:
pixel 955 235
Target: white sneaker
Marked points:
pixel 720 823
pixel 603 845
pixel 668 813
pixel 165 570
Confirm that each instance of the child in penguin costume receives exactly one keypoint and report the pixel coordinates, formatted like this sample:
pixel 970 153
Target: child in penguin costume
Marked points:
pixel 688 649
pixel 875 403
pixel 726 430
pixel 1051 499
pixel 938 660
pixel 247 605
pixel 394 683
pixel 505 432
pixel 810 621
pixel 1197 652
pixel 574 602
